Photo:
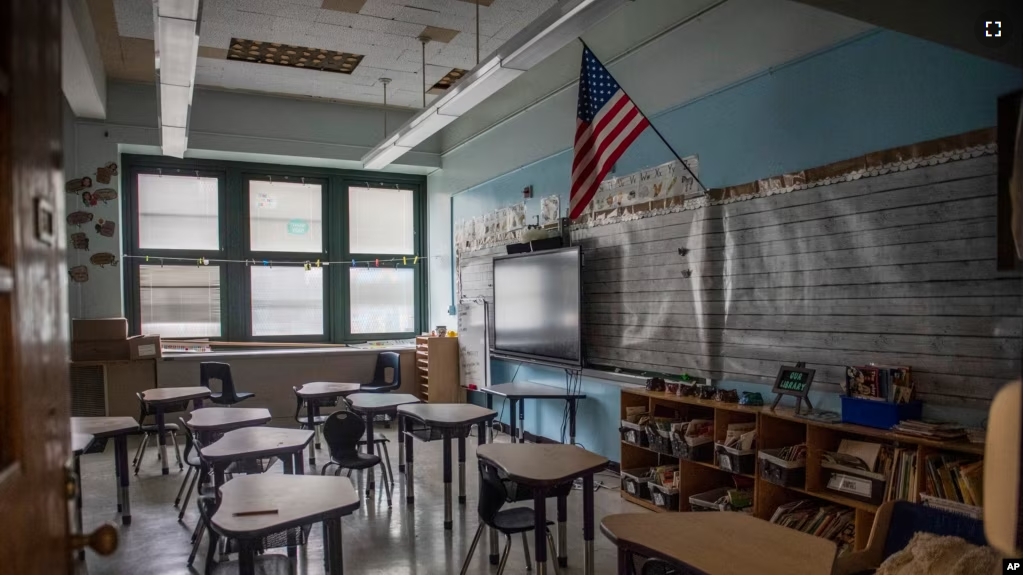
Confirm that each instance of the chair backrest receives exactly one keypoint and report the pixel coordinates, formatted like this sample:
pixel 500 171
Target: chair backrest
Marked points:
pixel 342 432
pixel 387 363
pixel 145 412
pixel 492 494
pixel 217 371
pixel 143 409
pixel 909 518
pixel 190 443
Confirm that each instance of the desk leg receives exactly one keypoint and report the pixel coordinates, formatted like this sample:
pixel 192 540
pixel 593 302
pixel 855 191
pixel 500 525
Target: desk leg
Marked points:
pixel 288 463
pixel 540 530
pixel 588 524
pixel 492 534
pixel 247 558
pixel 300 468
pixel 572 422
pixel 462 468
pixel 563 516
pixel 78 501
pixel 118 472
pixel 121 455
pixel 625 562
pixel 522 420
pixel 512 421
pixel 197 403
pixel 332 546
pixel 446 452
pixel 310 414
pixel 490 425
pixel 409 495
pixel 218 475
pixel 370 485
pixel 401 443
pixel 161 436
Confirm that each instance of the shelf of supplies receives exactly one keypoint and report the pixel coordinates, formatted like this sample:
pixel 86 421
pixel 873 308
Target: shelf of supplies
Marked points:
pixel 633 499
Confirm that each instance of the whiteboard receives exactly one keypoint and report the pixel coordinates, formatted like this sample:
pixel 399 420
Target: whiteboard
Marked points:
pixel 473 343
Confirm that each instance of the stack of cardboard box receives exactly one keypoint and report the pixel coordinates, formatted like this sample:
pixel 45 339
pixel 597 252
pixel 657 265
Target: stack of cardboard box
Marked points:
pixel 106 339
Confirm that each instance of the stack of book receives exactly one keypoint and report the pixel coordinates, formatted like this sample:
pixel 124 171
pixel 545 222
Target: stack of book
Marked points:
pixel 931 430
pixel 831 522
pixel 900 469
pixel 954 478
pixel 883 383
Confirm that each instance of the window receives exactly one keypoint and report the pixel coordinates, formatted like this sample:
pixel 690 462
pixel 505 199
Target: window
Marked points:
pixel 230 250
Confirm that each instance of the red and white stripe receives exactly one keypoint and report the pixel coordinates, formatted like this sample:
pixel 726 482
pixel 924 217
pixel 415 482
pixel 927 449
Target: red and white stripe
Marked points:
pixel 599 144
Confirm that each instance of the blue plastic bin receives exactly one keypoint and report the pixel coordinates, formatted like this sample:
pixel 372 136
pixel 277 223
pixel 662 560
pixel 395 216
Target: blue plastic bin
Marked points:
pixel 877 414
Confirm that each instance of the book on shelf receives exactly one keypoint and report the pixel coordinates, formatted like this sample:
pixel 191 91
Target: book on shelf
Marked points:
pixel 931 430
pixel 953 477
pixel 830 521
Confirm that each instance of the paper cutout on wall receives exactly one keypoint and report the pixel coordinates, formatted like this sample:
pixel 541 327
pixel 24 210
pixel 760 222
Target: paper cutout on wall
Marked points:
pixel 78 218
pixel 80 241
pixel 105 228
pixel 549 210
pixel 104 195
pixel 78 274
pixel 88 199
pixel 101 259
pixel 77 185
pixel 103 173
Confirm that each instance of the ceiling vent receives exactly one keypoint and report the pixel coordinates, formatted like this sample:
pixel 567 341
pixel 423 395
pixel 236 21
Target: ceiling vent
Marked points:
pixel 293 56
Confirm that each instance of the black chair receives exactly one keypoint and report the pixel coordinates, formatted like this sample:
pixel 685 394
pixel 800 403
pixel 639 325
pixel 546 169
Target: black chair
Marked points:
pixel 194 467
pixel 342 432
pixel 148 430
pixel 221 371
pixel 380 382
pixel 380 441
pixel 518 520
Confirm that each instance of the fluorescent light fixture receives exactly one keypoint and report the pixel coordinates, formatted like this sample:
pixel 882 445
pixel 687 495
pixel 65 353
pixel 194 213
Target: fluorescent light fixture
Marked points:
pixel 174 141
pixel 176 45
pixel 555 28
pixel 428 126
pixel 380 158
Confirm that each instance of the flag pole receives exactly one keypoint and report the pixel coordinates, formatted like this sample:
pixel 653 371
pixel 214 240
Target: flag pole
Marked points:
pixel 649 122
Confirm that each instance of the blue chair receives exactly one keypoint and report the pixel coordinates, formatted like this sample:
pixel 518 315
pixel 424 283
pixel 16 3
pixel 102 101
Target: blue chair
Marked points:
pixel 896 522
pixel 380 382
pixel 221 371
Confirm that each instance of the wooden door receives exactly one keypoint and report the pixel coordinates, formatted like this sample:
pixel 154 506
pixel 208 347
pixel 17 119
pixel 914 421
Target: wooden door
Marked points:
pixel 34 394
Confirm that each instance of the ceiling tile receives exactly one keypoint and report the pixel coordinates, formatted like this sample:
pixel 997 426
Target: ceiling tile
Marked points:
pixel 351 6
pixel 444 35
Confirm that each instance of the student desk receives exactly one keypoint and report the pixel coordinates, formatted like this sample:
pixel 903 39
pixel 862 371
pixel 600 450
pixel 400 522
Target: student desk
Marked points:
pixel 290 501
pixel 448 420
pixel 209 421
pixel 259 442
pixel 718 543
pixel 118 428
pixel 544 468
pixel 311 393
pixel 369 405
pixel 159 399
pixel 518 392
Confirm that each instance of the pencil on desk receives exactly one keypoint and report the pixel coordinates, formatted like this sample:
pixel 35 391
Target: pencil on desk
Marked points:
pixel 255 512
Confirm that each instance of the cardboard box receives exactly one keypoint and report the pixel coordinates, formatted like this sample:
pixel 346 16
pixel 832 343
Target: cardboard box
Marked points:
pixel 144 347
pixel 100 350
pixel 94 329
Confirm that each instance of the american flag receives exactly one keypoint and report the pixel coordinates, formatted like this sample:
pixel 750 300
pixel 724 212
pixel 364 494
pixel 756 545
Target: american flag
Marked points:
pixel 607 122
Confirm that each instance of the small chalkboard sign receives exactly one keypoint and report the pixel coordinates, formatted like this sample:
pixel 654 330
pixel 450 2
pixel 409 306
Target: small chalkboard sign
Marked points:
pixel 793 381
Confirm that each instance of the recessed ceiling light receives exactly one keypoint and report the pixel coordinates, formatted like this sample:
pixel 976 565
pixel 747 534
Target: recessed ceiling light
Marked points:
pixel 281 55
pixel 442 85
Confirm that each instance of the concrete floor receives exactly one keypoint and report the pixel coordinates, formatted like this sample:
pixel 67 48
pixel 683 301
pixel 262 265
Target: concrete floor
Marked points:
pixel 377 540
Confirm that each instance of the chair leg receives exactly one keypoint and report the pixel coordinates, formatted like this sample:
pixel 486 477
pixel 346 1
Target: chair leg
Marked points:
pixel 323 469
pixel 181 489
pixel 552 555
pixel 177 452
pixel 504 554
pixel 526 552
pixel 210 551
pixel 138 450
pixel 472 548
pixel 387 485
pixel 387 458
pixel 316 437
pixel 188 495
pixel 142 453
pixel 200 528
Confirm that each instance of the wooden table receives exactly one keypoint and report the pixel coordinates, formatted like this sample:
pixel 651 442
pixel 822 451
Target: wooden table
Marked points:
pixel 450 420
pixel 718 543
pixel 258 442
pixel 297 499
pixel 158 399
pixel 519 392
pixel 544 468
pixel 118 428
pixel 311 393
pixel 369 404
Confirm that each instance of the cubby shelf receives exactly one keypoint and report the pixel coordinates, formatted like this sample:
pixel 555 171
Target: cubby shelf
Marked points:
pixel 775 429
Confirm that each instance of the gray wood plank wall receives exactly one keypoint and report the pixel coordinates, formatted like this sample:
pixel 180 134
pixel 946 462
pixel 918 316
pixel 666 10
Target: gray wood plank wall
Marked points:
pixel 898 268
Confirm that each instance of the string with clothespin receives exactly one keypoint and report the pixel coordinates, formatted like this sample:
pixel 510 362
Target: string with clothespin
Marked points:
pixel 306 264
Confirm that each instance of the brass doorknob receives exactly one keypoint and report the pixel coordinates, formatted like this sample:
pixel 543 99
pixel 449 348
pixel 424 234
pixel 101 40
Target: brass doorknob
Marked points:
pixel 102 540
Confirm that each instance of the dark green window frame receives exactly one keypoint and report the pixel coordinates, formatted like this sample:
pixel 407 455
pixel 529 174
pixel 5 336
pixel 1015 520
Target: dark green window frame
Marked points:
pixel 233 177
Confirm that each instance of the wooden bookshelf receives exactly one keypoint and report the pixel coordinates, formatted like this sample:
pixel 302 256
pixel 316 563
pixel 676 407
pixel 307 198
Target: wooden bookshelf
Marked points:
pixel 774 430
pixel 437 369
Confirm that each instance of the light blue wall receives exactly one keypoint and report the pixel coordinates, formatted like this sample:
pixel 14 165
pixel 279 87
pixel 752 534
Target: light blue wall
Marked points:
pixel 878 91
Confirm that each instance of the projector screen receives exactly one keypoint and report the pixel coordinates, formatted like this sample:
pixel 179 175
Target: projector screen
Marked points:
pixel 537 306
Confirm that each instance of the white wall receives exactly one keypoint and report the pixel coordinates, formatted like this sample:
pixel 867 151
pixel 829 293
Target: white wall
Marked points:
pixel 225 125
